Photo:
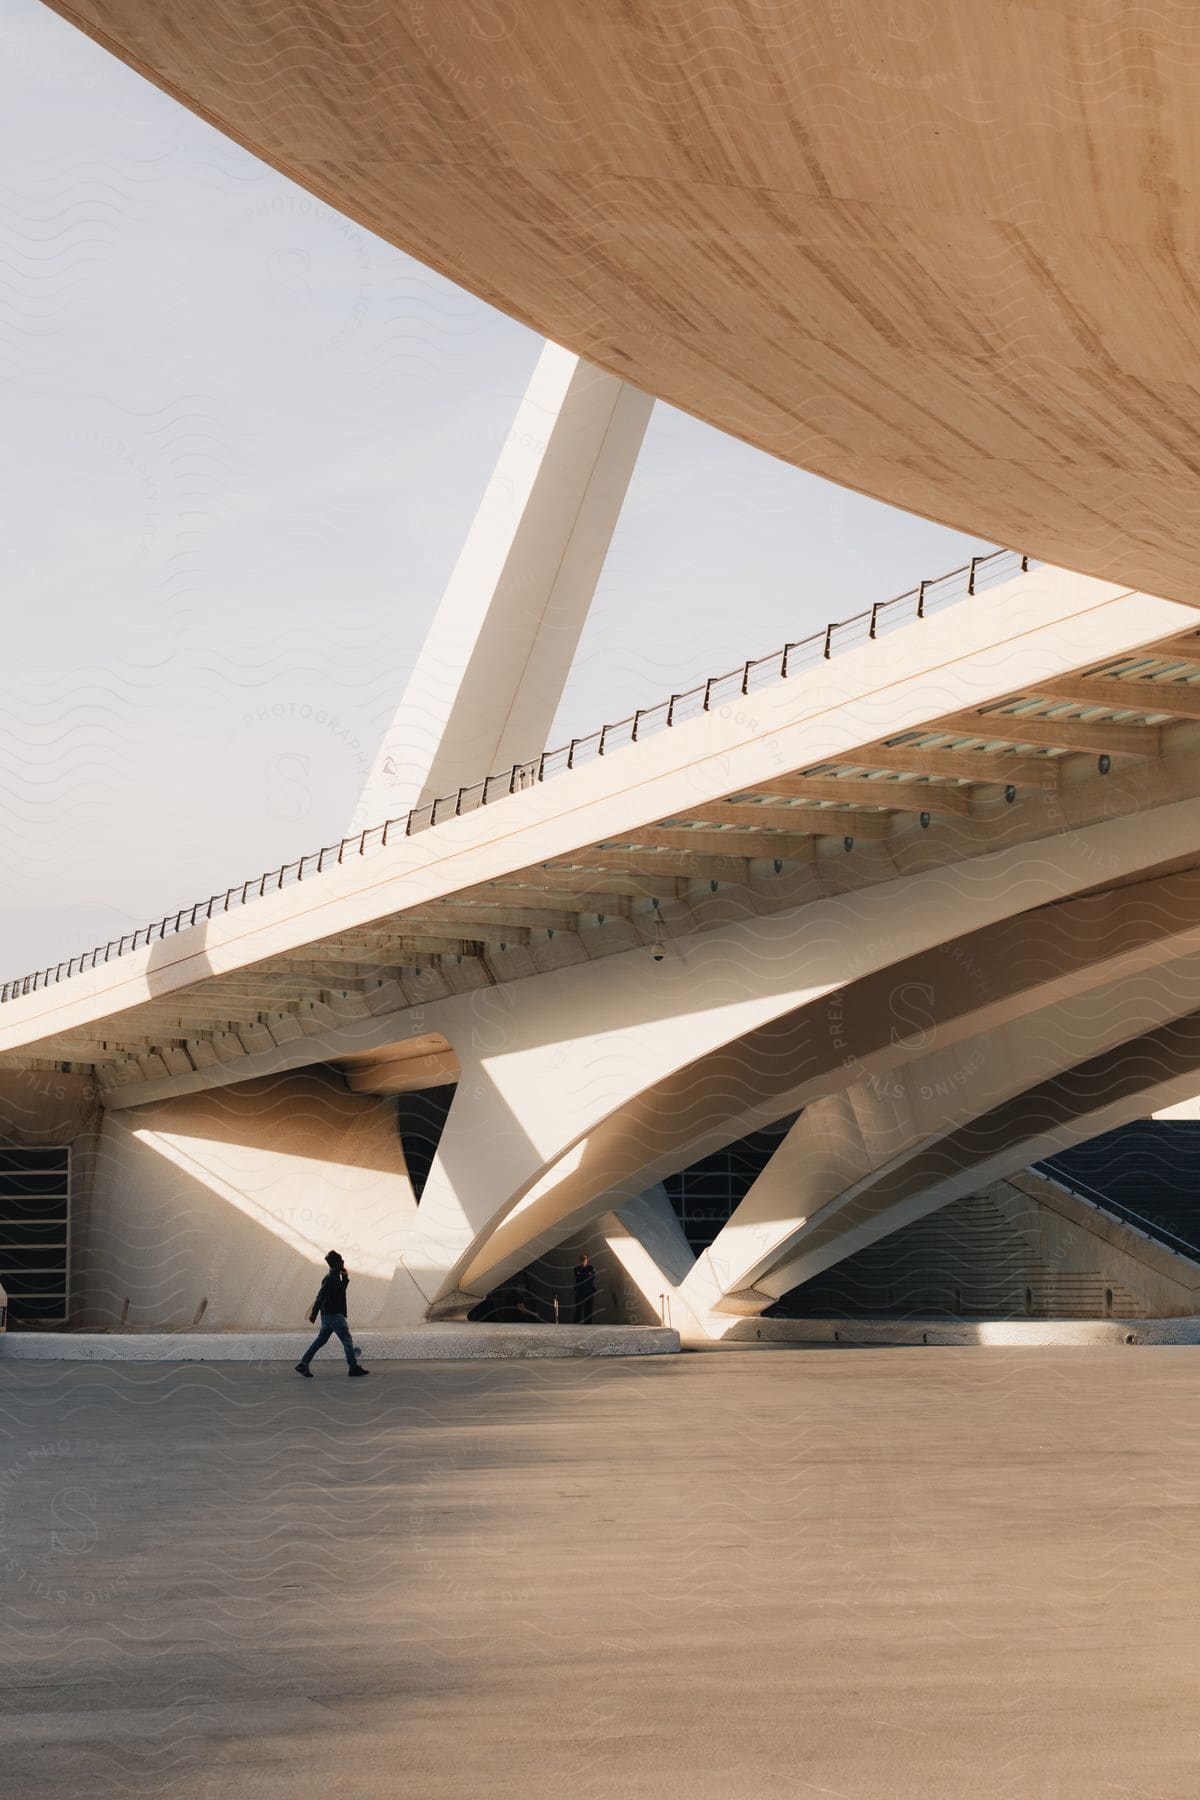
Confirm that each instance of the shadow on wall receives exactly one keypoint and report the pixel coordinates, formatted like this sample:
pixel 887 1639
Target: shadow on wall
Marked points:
pixel 216 1209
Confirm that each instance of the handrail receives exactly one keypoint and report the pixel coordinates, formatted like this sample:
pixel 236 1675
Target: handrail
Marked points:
pixel 718 692
pixel 1049 1171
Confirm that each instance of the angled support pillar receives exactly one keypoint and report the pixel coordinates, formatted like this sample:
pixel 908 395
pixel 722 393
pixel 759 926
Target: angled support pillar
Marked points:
pixel 490 675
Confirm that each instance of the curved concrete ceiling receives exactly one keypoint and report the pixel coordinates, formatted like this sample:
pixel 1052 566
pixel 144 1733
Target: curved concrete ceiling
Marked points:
pixel 944 253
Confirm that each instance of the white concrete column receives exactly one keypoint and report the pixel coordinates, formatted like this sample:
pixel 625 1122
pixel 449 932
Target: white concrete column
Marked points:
pixel 490 675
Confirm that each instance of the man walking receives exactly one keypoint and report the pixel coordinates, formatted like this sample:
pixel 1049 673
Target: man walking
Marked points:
pixel 331 1304
pixel 585 1289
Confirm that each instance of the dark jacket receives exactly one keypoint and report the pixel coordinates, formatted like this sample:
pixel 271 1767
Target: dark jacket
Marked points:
pixel 585 1280
pixel 332 1297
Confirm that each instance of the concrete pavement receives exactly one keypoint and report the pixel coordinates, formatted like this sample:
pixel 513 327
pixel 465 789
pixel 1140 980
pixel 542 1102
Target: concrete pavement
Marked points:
pixel 908 1574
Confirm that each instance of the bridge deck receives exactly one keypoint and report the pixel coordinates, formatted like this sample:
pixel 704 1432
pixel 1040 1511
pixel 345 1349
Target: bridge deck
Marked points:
pixel 646 830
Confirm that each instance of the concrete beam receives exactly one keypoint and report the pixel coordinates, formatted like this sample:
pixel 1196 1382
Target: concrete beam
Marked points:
pixel 487 684
pixel 650 874
pixel 815 821
pixel 852 790
pixel 962 765
pixel 1098 736
pixel 1179 699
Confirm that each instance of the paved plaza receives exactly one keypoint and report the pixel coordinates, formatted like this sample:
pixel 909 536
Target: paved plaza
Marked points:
pixel 909 1574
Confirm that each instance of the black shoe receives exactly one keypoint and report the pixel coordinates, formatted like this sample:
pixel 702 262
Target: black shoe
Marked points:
pixel 303 1369
pixel 357 1369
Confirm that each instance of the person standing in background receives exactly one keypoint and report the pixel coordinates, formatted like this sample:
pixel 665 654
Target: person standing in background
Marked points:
pixel 585 1289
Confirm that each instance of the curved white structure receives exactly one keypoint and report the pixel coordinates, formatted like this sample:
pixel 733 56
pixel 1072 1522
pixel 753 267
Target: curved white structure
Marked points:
pixel 995 874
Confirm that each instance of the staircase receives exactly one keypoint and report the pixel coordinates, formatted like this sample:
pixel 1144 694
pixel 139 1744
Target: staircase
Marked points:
pixel 1147 1173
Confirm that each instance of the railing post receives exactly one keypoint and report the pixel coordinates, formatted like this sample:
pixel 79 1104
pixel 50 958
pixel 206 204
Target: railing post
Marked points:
pixel 707 693
pixel 512 779
pixel 633 734
pixel 362 842
pixel 671 709
pixel 1024 565
pixel 828 642
pixel 874 616
pixel 541 774
pixel 921 599
pixel 746 678
pixel 971 576
pixel 571 754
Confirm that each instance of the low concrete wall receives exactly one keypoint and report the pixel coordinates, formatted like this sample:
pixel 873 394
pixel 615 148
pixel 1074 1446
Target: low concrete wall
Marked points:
pixel 452 1342
pixel 996 1333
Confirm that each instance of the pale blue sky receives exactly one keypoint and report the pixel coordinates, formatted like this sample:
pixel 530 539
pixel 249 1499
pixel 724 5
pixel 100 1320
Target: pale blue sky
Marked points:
pixel 241 443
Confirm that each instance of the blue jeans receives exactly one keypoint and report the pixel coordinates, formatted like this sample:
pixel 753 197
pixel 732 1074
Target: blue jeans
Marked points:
pixel 332 1325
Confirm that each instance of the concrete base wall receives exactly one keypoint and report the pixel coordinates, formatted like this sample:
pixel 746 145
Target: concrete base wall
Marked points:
pixel 998 1333
pixel 424 1343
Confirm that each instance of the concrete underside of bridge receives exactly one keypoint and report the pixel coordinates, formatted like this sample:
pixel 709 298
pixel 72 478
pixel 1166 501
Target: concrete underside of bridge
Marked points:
pixel 990 948
pixel 943 253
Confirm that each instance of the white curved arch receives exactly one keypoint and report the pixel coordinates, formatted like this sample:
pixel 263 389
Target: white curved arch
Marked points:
pixel 529 1104
pixel 841 1164
pixel 1141 1075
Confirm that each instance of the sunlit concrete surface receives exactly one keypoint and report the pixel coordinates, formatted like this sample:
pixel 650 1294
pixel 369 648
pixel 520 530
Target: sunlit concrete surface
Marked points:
pixel 874 1575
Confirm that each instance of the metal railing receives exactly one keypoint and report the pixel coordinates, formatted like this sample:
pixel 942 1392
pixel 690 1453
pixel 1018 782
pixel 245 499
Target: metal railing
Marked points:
pixel 1170 1240
pixel 718 694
